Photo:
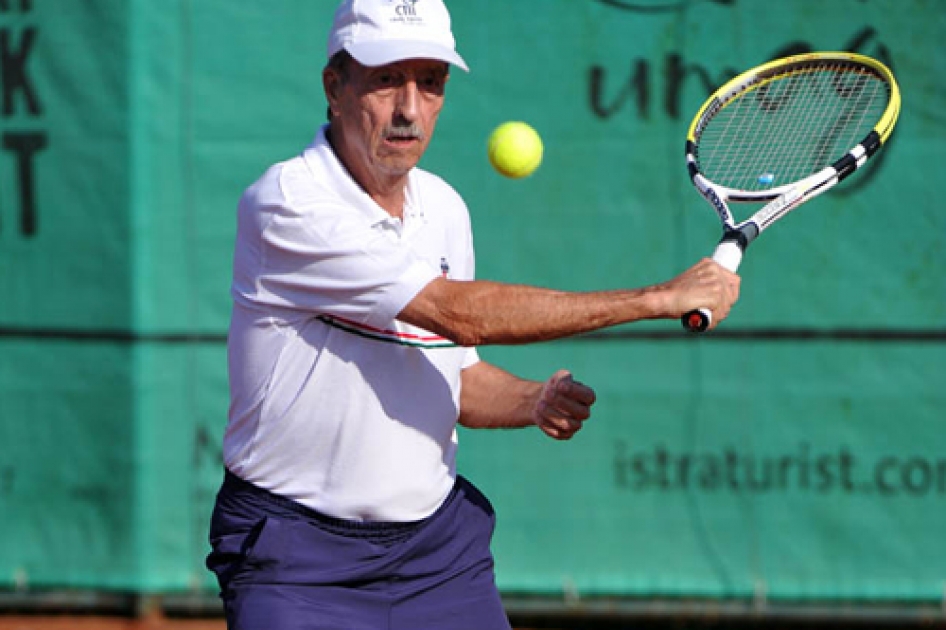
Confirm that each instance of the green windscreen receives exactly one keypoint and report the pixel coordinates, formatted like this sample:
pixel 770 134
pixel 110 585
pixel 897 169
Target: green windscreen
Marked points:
pixel 796 452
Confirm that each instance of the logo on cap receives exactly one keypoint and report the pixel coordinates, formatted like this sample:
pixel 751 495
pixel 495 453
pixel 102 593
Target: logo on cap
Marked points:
pixel 407 7
pixel 406 12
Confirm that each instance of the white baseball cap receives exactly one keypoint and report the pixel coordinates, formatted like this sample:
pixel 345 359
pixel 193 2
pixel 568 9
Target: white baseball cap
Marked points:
pixel 379 32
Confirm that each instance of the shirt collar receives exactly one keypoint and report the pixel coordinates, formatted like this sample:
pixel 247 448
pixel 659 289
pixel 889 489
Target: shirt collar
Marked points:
pixel 325 165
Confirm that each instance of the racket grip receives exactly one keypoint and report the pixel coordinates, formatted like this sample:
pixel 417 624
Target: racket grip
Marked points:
pixel 728 254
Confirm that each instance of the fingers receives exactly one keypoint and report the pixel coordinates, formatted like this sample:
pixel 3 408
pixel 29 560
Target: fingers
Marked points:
pixel 707 284
pixel 563 406
pixel 727 292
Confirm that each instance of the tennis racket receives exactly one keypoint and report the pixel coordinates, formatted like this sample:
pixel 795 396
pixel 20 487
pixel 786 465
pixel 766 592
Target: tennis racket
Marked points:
pixel 783 133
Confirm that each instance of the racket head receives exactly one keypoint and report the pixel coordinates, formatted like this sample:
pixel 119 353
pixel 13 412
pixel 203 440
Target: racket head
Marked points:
pixel 769 128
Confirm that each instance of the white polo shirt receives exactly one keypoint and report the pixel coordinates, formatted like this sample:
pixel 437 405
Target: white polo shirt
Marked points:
pixel 334 403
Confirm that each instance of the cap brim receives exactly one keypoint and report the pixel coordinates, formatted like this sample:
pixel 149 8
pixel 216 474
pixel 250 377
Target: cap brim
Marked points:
pixel 383 52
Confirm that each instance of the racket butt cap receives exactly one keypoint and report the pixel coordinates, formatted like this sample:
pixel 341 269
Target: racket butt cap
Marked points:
pixel 696 321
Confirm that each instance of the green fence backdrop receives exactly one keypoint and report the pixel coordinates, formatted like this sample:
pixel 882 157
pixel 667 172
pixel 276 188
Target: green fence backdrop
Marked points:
pixel 799 452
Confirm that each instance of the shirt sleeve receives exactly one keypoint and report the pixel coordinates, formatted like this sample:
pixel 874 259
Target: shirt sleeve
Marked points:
pixel 323 258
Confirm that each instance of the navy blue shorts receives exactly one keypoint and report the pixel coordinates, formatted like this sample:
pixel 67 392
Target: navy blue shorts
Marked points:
pixel 282 566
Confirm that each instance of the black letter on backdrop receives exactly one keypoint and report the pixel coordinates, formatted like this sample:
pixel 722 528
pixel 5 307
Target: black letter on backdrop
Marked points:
pixel 13 67
pixel 24 145
pixel 638 82
pixel 677 72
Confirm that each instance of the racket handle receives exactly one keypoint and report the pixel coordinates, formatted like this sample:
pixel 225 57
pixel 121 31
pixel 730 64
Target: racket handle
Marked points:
pixel 728 254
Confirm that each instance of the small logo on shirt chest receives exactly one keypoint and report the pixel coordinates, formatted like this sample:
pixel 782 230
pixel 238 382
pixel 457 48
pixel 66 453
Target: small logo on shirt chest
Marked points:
pixel 444 267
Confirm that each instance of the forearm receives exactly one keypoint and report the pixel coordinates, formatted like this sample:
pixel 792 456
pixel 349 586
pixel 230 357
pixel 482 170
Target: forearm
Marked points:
pixel 491 398
pixel 481 312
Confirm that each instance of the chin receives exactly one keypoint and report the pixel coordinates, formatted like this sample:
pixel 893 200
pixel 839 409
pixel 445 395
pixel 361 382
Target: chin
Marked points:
pixel 398 166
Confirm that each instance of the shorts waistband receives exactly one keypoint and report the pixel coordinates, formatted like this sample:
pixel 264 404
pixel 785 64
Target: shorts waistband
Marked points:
pixel 375 530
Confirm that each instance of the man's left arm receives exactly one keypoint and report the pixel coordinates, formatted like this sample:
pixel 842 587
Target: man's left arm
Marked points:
pixel 491 398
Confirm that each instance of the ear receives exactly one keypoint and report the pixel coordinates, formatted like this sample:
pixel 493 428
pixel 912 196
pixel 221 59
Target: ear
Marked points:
pixel 332 84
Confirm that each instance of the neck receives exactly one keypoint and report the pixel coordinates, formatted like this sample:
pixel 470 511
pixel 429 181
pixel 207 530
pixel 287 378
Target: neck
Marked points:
pixel 386 189
pixel 389 193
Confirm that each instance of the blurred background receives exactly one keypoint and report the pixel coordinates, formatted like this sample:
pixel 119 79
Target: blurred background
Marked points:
pixel 789 468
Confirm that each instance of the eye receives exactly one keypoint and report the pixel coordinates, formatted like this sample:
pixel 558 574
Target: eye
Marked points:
pixel 386 79
pixel 432 82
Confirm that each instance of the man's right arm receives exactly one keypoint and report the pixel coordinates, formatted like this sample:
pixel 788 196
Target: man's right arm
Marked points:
pixel 479 312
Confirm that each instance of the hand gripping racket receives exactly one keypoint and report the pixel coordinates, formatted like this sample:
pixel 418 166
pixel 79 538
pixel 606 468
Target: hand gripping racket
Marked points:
pixel 783 133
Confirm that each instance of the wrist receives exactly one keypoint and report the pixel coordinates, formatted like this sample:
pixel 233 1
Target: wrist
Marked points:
pixel 657 302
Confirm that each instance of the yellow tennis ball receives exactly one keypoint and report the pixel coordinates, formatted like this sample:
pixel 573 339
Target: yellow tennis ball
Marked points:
pixel 515 149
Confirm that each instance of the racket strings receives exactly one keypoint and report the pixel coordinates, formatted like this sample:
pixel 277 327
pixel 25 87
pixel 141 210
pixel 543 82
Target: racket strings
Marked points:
pixel 790 125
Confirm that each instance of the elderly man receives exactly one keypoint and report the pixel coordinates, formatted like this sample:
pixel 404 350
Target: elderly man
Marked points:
pixel 352 358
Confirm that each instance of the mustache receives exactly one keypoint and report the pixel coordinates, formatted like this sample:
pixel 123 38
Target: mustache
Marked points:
pixel 411 131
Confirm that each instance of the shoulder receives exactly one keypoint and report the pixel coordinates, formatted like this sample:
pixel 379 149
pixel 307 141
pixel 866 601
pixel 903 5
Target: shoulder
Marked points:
pixel 289 182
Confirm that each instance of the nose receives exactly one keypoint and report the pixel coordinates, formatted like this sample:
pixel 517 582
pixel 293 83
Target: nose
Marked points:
pixel 408 100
